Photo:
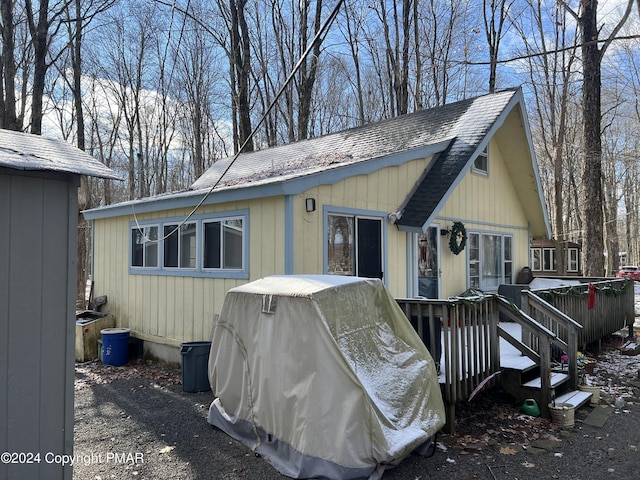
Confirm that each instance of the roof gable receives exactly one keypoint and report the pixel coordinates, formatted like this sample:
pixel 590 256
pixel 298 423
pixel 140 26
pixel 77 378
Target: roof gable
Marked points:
pixel 472 134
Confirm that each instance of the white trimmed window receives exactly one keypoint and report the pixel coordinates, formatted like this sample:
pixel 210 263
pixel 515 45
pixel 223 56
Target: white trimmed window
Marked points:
pixel 481 163
pixel 490 260
pixel 536 259
pixel 572 264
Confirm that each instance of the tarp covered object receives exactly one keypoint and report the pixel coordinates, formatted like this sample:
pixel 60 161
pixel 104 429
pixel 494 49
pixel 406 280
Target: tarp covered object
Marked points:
pixel 322 375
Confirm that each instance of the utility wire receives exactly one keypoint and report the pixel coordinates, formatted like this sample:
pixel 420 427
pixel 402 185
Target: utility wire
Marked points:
pixel 318 38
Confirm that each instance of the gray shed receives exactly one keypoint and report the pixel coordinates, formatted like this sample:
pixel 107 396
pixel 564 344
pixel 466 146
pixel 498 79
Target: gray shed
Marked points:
pixel 39 181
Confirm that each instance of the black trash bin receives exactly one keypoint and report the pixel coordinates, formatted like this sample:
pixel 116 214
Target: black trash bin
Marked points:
pixel 195 366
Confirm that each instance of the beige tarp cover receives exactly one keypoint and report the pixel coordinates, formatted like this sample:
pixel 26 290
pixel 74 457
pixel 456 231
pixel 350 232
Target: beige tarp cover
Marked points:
pixel 323 375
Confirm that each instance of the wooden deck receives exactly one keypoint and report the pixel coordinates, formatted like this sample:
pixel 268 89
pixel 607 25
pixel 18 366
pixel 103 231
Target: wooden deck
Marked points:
pixel 475 348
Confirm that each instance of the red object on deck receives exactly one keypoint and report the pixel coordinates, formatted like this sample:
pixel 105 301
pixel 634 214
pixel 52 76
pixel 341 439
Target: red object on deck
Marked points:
pixel 592 295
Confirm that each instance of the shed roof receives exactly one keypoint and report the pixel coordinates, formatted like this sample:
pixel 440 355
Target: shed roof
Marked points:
pixel 28 152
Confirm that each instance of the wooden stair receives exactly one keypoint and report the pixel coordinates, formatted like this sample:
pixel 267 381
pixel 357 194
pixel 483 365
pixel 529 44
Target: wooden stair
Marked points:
pixel 526 347
pixel 521 378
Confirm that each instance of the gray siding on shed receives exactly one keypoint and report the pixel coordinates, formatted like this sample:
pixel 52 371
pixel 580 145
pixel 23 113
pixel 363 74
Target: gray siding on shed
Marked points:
pixel 38 259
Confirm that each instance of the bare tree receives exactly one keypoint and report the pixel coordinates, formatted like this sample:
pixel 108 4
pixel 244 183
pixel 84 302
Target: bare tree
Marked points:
pixel 8 117
pixel 397 39
pixel 552 75
pixel 592 54
pixel 238 50
pixel 352 29
pixel 196 65
pixel 43 28
pixel 496 13
pixel 445 48
pixel 308 67
pixel 127 41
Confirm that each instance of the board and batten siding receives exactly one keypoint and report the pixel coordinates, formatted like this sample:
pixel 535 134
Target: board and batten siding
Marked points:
pixel 174 309
pixel 38 262
pixel 483 204
pixel 381 192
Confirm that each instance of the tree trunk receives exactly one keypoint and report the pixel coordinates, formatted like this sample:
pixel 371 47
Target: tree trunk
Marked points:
pixel 84 198
pixel 494 25
pixel 592 173
pixel 240 54
pixel 307 76
pixel 39 40
pixel 9 119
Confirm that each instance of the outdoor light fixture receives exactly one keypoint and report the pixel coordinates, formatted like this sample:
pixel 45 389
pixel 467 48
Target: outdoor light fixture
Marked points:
pixel 310 204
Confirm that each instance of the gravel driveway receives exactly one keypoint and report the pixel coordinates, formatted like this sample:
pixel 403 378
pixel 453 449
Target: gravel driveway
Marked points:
pixel 134 422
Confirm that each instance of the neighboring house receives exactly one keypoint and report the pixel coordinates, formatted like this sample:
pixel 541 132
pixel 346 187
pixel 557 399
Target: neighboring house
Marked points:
pixel 39 181
pixel 376 201
pixel 544 255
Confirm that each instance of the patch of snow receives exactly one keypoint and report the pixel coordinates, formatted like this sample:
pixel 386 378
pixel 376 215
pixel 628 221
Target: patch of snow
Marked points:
pixel 542 283
pixel 614 372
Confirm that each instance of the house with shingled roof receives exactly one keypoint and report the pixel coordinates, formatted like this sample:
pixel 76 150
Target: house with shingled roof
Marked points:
pixel 434 203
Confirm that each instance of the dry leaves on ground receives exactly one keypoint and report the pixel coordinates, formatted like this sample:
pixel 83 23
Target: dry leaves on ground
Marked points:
pixel 97 373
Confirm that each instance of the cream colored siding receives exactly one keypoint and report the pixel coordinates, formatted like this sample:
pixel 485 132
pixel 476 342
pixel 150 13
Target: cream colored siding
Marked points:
pixel 266 236
pixel 380 192
pixel 174 309
pixel 483 204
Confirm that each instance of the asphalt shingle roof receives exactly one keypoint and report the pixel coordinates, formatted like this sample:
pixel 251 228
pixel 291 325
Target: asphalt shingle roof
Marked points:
pixel 467 118
pixel 475 119
pixel 465 124
pixel 24 151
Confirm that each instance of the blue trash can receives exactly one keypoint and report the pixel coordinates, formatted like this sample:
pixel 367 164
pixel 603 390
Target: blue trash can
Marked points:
pixel 115 346
pixel 195 366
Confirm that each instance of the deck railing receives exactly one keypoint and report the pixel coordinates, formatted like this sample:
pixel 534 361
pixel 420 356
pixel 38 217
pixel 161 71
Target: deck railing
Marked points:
pixel 540 338
pixel 462 336
pixel 463 333
pixel 601 307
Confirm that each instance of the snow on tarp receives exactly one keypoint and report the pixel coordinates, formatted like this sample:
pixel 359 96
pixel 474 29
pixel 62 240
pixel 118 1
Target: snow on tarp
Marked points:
pixel 322 375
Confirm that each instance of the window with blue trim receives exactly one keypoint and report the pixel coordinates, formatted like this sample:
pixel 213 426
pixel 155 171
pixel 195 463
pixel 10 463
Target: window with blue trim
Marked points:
pixel 180 245
pixel 223 244
pixel 203 246
pixel 144 246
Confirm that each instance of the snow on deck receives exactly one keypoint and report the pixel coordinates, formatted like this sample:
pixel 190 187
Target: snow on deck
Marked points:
pixel 510 357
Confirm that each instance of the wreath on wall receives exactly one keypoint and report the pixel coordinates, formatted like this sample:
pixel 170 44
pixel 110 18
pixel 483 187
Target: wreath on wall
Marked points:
pixel 458 238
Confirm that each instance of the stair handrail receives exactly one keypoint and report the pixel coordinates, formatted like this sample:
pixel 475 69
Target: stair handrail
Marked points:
pixel 545 338
pixel 570 344
pixel 508 308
